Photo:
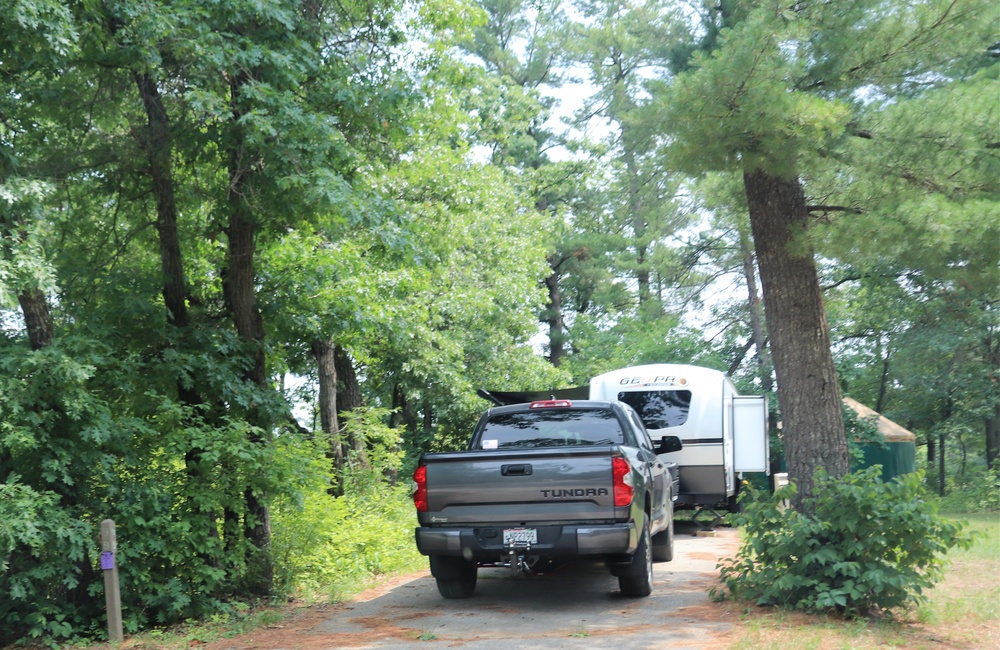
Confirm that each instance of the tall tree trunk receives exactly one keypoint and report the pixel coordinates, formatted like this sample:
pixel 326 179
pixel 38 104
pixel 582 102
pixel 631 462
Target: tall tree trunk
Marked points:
pixel 554 318
pixel 348 399
pixel 808 392
pixel 157 142
pixel 158 147
pixel 883 384
pixel 756 309
pixel 993 437
pixel 941 465
pixel 636 208
pixel 37 318
pixel 992 428
pixel 947 411
pixel 241 300
pixel 323 351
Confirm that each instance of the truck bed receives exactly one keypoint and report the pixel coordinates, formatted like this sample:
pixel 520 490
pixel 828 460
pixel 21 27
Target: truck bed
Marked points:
pixel 518 487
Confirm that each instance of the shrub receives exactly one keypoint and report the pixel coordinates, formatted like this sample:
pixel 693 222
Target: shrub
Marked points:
pixel 978 490
pixel 869 546
pixel 335 545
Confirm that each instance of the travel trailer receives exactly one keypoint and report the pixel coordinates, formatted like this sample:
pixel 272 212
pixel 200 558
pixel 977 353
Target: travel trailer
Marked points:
pixel 723 433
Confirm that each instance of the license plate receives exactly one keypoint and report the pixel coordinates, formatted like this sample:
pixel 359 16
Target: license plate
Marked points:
pixel 520 536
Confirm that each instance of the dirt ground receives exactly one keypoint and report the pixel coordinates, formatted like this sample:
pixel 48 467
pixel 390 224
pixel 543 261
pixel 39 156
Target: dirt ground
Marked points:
pixel 577 607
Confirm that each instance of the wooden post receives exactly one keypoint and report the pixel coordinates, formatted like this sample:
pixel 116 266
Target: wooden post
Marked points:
pixel 112 592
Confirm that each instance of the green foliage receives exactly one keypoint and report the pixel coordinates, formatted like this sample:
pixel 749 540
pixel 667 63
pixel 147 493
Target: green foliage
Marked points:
pixel 868 546
pixel 88 440
pixel 379 226
pixel 41 545
pixel 978 490
pixel 333 545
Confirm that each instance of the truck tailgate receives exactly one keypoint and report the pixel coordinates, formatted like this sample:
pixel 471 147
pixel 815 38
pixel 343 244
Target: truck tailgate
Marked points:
pixel 519 487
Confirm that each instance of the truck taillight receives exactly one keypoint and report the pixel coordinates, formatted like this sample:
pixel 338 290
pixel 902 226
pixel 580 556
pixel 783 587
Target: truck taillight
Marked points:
pixel 622 475
pixel 420 488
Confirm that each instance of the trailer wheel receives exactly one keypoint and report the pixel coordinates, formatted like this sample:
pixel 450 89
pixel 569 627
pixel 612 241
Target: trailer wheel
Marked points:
pixel 637 582
pixel 455 576
pixel 663 541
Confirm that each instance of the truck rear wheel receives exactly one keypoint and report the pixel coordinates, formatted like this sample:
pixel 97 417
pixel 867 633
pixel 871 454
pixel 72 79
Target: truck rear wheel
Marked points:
pixel 637 582
pixel 455 576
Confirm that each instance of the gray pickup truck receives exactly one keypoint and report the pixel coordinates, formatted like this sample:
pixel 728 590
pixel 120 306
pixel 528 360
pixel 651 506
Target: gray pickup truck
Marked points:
pixel 545 483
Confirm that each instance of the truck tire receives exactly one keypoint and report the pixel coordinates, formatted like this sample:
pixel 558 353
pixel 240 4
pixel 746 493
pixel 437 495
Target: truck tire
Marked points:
pixel 455 576
pixel 663 542
pixel 637 581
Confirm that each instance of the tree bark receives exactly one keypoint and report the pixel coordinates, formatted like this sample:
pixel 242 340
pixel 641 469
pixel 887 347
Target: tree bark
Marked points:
pixel 157 143
pixel 883 383
pixel 323 351
pixel 158 146
pixel 348 399
pixel 992 428
pixel 241 300
pixel 37 318
pixel 808 391
pixel 348 386
pixel 554 318
pixel 993 438
pixel 941 465
pixel 756 309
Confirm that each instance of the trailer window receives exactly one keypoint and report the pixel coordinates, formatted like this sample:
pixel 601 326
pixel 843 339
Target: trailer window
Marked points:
pixel 551 428
pixel 659 409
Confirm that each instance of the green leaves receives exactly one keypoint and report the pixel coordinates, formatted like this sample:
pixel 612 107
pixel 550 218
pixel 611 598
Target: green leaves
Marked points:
pixel 869 546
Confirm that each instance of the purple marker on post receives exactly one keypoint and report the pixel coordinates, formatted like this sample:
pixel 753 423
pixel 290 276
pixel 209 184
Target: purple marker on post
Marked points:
pixel 107 561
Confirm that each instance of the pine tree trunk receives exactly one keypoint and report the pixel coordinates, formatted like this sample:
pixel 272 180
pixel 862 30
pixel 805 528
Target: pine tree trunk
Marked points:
pixel 554 318
pixel 808 392
pixel 756 309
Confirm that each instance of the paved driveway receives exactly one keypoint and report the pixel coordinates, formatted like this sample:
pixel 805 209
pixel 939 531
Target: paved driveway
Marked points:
pixel 578 607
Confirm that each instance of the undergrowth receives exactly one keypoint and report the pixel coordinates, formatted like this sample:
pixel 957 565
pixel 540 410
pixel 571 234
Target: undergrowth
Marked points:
pixel 866 546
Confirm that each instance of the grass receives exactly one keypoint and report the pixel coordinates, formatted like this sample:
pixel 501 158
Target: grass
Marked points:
pixel 962 611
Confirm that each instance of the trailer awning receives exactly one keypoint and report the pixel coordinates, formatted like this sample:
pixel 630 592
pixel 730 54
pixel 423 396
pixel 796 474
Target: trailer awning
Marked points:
pixel 504 397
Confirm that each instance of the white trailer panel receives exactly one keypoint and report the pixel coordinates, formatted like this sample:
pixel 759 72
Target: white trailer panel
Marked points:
pixel 752 452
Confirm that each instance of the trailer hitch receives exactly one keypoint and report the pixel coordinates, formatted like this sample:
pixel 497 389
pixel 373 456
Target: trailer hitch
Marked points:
pixel 516 560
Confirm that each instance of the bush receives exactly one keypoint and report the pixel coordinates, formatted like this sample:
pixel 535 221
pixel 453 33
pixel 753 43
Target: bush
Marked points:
pixel 868 546
pixel 335 545
pixel 976 491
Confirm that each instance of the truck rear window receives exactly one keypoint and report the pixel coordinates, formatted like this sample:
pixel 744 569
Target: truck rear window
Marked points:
pixel 659 409
pixel 551 428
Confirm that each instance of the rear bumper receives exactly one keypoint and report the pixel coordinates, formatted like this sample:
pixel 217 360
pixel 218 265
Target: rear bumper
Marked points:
pixel 485 543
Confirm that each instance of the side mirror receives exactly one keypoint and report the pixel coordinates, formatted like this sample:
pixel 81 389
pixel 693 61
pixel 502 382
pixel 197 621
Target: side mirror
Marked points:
pixel 669 444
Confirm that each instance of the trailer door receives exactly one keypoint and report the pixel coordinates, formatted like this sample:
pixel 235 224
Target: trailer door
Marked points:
pixel 750 444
